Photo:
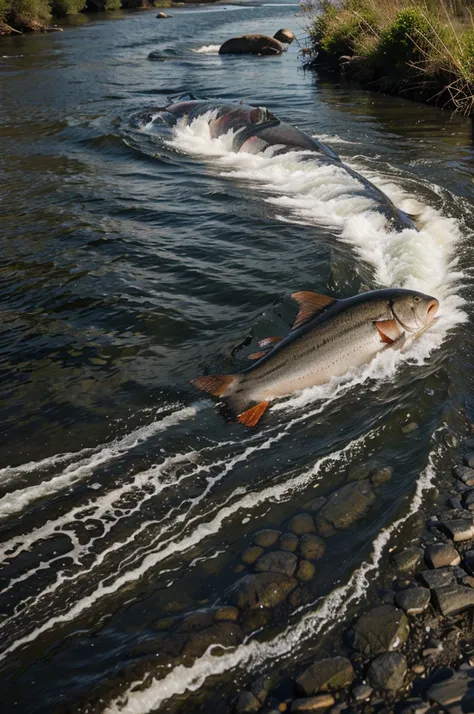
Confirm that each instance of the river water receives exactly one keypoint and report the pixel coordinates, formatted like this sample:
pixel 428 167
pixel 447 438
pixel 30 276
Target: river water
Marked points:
pixel 131 264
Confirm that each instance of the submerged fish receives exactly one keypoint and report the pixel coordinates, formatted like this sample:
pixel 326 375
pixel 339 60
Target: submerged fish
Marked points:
pixel 256 129
pixel 329 337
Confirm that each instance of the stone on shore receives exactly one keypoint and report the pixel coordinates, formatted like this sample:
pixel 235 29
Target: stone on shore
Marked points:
pixel 285 36
pixel 454 695
pixel 260 590
pixel 344 507
pixel 252 45
pixel 362 692
pixel 413 601
pixel 459 530
pixel 454 598
pixel 407 560
pixel 331 673
pixel 387 671
pixel 464 474
pixel 440 577
pixel 312 547
pixel 439 555
pixel 468 459
pixel 266 538
pixel 278 561
pixel 383 629
pixel 312 704
pixel 302 524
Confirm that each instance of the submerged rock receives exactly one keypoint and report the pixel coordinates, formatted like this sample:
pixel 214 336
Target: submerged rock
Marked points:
pixel 301 524
pixel 344 507
pixel 305 570
pixel 226 634
pixel 227 612
pixel 252 45
pixel 331 673
pixel 387 671
pixel 250 555
pixel 261 590
pixel 285 36
pixel 247 703
pixel 289 542
pixel 278 561
pixel 266 538
pixel 312 547
pixel 383 629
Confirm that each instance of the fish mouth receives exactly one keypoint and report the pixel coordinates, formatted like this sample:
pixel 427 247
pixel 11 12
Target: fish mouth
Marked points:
pixel 433 306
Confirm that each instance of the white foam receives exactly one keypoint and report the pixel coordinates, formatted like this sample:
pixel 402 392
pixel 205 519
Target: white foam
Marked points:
pixel 207 50
pixel 253 653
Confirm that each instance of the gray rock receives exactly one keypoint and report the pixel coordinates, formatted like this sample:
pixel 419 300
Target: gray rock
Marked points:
pixel 413 601
pixel 266 538
pixel 454 598
pixel 464 474
pixel 362 692
pixel 440 555
pixel 252 45
pixel 312 547
pixel 468 459
pixel 439 577
pixel 247 703
pixel 250 555
pixel 301 524
pixel 387 671
pixel 289 542
pixel 305 570
pixel 285 36
pixel 383 629
pixel 468 497
pixel 454 502
pixel 260 590
pixel 227 634
pixel 459 530
pixel 313 704
pixel 333 673
pixel 407 560
pixel 455 695
pixel 278 561
pixel 344 507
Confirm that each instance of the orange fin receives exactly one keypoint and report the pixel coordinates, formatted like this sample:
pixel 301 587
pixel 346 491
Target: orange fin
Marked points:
pixel 268 341
pixel 388 330
pixel 257 355
pixel 310 304
pixel 253 415
pixel 215 384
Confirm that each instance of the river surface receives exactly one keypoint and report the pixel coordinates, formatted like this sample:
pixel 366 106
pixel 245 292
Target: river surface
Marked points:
pixel 131 264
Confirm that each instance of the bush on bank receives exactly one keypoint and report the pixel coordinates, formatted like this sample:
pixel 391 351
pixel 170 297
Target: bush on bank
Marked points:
pixel 423 48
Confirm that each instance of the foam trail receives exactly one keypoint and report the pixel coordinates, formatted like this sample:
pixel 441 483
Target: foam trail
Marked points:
pixel 16 501
pixel 207 50
pixel 246 500
pixel 254 653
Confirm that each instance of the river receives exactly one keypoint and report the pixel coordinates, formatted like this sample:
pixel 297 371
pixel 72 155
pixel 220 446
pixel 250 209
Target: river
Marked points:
pixel 130 265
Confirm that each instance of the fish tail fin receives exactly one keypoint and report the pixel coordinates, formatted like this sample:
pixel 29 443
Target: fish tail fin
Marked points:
pixel 216 384
pixel 253 415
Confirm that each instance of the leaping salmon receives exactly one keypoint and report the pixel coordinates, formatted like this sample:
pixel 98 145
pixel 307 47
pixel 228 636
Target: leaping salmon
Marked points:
pixel 328 338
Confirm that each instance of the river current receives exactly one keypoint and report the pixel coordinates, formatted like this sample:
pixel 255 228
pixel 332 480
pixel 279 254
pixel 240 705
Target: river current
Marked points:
pixel 131 264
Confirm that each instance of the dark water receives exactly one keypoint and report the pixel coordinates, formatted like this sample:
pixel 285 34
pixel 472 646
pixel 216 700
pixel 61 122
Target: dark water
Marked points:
pixel 130 265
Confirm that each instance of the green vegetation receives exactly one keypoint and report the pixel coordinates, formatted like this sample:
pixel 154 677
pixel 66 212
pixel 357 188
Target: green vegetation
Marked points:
pixel 421 48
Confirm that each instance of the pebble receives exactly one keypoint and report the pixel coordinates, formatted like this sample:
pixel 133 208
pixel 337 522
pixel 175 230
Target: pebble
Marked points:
pixel 362 692
pixel 441 554
pixel 418 668
pixel 469 581
pixel 312 547
pixel 407 560
pixel 454 598
pixel 305 571
pixel 250 555
pixel 313 704
pixel 334 673
pixel 278 561
pixel 409 428
pixel 301 524
pixel 266 538
pixel 413 601
pixel 464 474
pixel 468 459
pixel 382 629
pixel 387 671
pixel 289 542
pixel 459 530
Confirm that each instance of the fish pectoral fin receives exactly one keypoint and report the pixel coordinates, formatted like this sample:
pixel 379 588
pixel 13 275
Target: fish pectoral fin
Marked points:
pixel 257 355
pixel 254 414
pixel 269 341
pixel 389 330
pixel 310 304
pixel 216 384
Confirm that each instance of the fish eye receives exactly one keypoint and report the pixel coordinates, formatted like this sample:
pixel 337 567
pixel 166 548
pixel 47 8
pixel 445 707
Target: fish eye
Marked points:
pixel 416 299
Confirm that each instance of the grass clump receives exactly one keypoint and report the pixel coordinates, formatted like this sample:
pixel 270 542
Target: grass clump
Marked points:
pixel 418 47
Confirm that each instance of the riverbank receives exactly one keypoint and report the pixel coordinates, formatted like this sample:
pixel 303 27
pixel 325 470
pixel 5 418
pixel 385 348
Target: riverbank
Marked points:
pixel 416 49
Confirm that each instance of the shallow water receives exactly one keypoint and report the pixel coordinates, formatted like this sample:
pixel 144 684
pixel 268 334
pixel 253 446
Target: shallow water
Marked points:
pixel 132 263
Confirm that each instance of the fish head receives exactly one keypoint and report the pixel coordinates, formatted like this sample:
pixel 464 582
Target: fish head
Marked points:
pixel 413 310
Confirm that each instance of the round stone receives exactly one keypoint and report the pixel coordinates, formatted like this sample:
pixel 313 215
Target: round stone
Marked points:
pixel 266 538
pixel 305 570
pixel 250 555
pixel 312 547
pixel 301 524
pixel 289 542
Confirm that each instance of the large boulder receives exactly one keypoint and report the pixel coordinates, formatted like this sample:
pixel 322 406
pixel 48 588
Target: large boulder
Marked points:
pixel 252 45
pixel 385 628
pixel 344 507
pixel 286 36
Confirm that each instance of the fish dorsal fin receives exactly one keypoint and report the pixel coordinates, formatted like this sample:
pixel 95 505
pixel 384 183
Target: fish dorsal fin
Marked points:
pixel 310 304
pixel 257 355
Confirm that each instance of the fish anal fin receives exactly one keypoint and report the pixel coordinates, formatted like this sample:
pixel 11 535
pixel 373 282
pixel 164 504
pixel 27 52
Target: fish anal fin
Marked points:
pixel 389 330
pixel 269 341
pixel 257 355
pixel 254 414
pixel 216 384
pixel 310 304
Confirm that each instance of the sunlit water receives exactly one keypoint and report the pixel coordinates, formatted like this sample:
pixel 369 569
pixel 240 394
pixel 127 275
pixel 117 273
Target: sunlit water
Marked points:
pixel 132 262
